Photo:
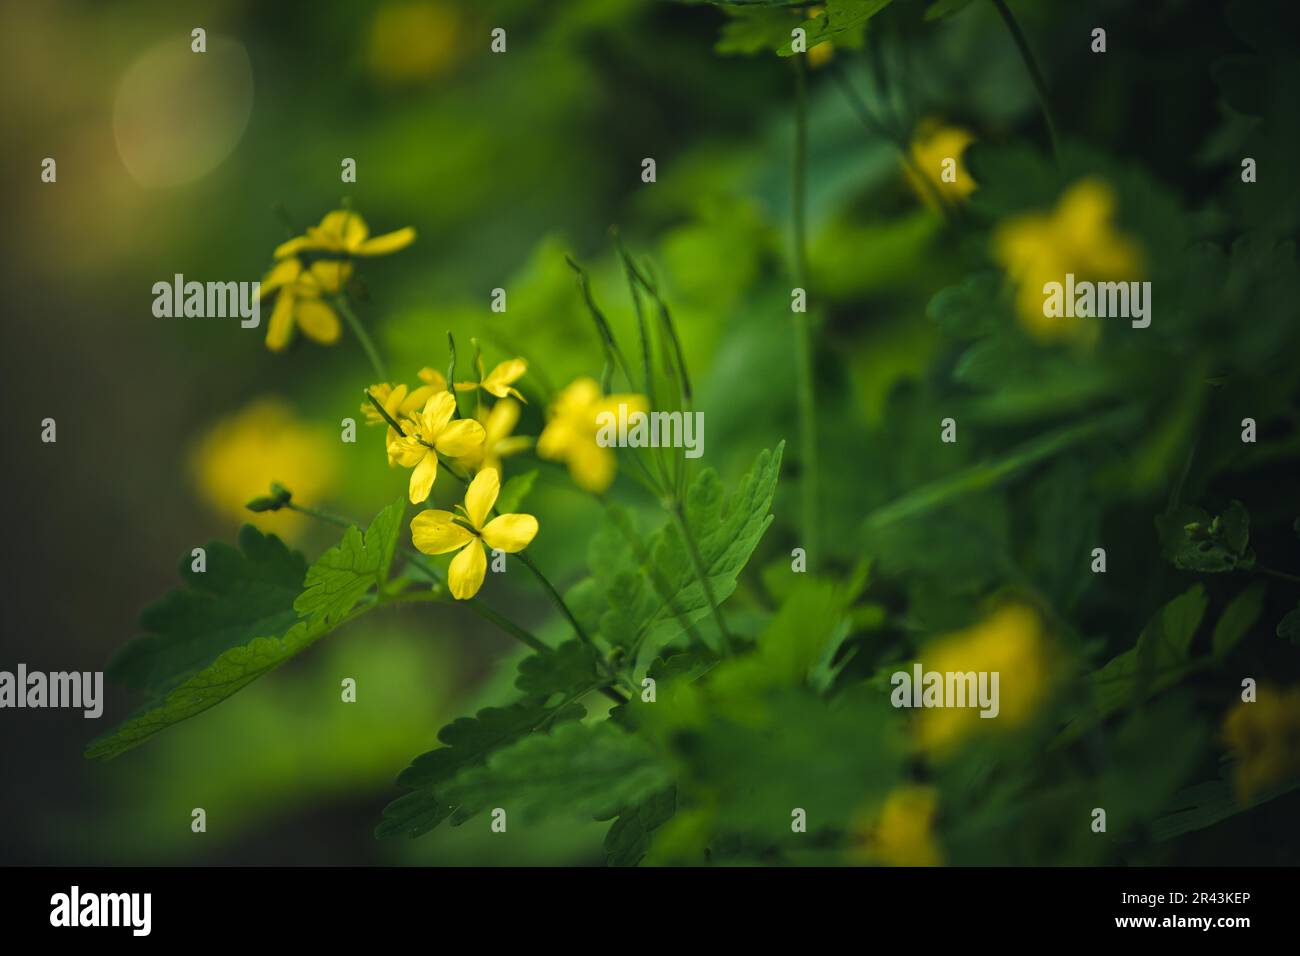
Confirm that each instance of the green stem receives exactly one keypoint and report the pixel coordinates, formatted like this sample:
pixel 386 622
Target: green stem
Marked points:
pixel 697 562
pixel 555 596
pixel 359 330
pixel 1277 574
pixel 803 332
pixel 1031 64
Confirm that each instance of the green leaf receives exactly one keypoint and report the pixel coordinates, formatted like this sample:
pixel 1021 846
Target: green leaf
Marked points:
pixel 628 839
pixel 514 491
pixel 643 591
pixel 243 603
pixel 843 20
pixel 553 681
pixel 757 30
pixel 1193 541
pixel 588 770
pixel 567 668
pixel 245 592
pixel 351 568
pixel 1289 627
pixel 1238 618
pixel 467 742
pixel 946 8
pixel 1160 658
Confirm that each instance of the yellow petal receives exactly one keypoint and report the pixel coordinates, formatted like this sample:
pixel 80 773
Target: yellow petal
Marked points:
pixel 591 466
pixel 317 321
pixel 510 533
pixel 459 438
pixel 436 532
pixel 281 274
pixel 279 330
pixel 407 452
pixel 388 242
pixel 503 375
pixel 501 420
pixel 437 413
pixel 556 438
pixel 345 228
pixel 422 478
pixel 433 377
pixel 482 495
pixel 330 275
pixel 295 245
pixel 465 576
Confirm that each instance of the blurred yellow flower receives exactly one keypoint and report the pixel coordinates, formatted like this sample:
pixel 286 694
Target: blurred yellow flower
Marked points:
pixel 299 301
pixel 344 233
pixel 933 146
pixel 410 42
pixel 428 434
pixel 823 52
pixel 240 455
pixel 498 443
pixel 570 432
pixel 1010 642
pixel 902 833
pixel 470 533
pixel 1078 237
pixel 1264 737
pixel 499 381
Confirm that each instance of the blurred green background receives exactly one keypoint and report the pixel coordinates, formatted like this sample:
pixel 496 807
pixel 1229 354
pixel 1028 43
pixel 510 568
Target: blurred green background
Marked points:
pixel 170 163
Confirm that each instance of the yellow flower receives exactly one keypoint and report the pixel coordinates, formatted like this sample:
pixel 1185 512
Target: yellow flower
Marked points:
pixel 299 301
pixel 933 145
pixel 1264 736
pixel 1009 642
pixel 429 433
pixel 263 442
pixel 438 532
pixel 414 41
pixel 823 52
pixel 401 403
pixel 570 432
pixel 901 834
pixel 1078 237
pixel 345 233
pixel 498 443
pixel 498 382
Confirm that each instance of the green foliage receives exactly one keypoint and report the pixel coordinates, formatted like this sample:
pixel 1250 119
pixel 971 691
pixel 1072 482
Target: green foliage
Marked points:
pixel 242 617
pixel 643 592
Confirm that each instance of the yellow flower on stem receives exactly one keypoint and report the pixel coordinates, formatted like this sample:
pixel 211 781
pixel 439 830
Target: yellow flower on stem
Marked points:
pixel 400 403
pixel 428 434
pixel 570 432
pixel 344 233
pixel 299 301
pixel 498 443
pixel 932 147
pixel 902 833
pixel 1264 736
pixel 1078 237
pixel 499 381
pixel 471 534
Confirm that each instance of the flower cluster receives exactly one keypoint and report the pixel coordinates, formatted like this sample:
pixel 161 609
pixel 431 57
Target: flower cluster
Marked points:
pixel 311 269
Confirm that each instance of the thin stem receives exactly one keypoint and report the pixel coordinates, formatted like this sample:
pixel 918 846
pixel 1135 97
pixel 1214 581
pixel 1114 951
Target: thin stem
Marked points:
pixel 805 394
pixel 392 422
pixel 416 558
pixel 363 337
pixel 1277 574
pixel 1031 64
pixel 555 596
pixel 697 562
